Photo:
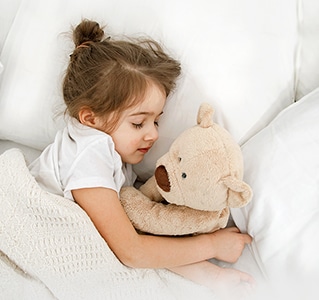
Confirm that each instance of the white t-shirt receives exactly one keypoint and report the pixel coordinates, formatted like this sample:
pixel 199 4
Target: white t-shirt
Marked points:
pixel 81 157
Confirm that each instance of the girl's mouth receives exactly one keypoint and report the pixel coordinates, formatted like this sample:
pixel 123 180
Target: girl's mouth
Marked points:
pixel 144 150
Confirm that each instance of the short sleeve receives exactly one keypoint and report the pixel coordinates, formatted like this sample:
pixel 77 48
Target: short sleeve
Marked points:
pixel 98 165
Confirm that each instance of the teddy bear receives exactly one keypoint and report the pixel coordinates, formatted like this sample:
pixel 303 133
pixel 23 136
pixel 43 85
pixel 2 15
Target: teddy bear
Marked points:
pixel 194 184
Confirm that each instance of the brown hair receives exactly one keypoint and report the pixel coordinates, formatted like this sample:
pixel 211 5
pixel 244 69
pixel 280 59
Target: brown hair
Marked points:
pixel 109 75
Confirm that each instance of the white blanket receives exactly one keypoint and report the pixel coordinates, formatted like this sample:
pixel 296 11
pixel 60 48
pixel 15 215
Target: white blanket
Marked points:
pixel 50 249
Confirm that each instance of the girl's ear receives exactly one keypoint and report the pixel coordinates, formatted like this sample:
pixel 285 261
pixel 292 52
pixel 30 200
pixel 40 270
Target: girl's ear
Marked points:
pixel 87 117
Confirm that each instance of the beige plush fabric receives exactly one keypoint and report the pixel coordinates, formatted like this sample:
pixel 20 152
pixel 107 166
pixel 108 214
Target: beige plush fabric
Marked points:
pixel 49 249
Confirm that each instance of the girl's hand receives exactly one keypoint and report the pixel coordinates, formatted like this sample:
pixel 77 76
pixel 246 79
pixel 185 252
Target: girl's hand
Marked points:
pixel 227 283
pixel 229 243
pixel 233 284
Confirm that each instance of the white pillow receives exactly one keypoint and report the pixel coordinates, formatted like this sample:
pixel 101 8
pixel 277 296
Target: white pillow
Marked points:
pixel 237 57
pixel 282 167
pixel 8 12
pixel 307 54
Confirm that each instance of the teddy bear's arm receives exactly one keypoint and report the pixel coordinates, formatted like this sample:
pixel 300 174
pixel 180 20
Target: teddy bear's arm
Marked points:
pixel 157 218
pixel 149 189
pixel 181 220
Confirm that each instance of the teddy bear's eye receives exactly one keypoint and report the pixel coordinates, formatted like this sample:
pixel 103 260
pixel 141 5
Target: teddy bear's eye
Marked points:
pixel 179 159
pixel 184 175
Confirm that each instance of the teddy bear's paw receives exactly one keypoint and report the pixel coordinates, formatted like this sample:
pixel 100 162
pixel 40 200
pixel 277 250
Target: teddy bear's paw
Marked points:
pixel 150 190
pixel 132 201
pixel 223 217
pixel 214 220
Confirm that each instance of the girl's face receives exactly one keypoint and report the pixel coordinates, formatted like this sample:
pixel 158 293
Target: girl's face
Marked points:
pixel 137 130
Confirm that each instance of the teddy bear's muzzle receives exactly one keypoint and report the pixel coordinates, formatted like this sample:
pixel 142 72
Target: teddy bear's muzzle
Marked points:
pixel 162 180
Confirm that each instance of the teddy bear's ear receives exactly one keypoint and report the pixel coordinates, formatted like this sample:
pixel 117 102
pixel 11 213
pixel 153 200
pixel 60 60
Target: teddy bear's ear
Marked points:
pixel 239 192
pixel 204 116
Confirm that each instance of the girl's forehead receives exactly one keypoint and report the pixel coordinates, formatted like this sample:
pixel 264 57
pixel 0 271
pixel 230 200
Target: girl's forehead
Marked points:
pixel 152 103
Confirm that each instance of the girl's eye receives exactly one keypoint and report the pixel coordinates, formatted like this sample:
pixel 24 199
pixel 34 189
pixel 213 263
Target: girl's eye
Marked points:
pixel 137 126
pixel 156 123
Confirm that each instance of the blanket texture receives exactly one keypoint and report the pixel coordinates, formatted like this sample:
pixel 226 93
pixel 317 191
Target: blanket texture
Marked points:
pixel 50 249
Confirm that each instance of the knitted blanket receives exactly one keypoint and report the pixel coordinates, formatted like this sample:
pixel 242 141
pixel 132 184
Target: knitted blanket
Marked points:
pixel 50 249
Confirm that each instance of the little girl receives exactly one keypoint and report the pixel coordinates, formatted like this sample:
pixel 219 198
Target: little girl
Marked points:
pixel 115 91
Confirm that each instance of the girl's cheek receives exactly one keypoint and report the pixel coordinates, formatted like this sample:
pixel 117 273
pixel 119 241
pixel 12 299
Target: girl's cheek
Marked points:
pixel 135 142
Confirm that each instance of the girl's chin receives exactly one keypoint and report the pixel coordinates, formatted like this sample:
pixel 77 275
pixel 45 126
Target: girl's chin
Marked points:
pixel 134 160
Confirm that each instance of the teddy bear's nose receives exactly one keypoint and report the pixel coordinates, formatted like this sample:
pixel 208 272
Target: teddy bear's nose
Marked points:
pixel 162 180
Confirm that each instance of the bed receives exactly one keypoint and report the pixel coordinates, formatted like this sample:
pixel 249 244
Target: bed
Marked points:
pixel 255 62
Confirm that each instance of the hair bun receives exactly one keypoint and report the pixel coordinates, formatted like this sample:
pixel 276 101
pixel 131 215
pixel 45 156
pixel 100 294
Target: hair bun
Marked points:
pixel 87 31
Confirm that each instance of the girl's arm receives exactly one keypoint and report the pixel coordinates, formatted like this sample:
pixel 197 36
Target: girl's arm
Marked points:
pixel 146 251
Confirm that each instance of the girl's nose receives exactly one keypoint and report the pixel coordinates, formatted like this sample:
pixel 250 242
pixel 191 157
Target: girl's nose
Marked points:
pixel 152 134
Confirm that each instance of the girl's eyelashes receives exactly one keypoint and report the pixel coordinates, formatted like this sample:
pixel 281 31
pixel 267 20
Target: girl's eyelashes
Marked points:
pixel 137 126
pixel 140 125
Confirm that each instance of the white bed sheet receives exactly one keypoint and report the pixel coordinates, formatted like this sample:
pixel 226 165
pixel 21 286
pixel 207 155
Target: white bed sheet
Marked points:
pixel 30 154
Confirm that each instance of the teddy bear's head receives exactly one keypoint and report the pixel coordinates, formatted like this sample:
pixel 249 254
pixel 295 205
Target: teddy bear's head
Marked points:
pixel 203 168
